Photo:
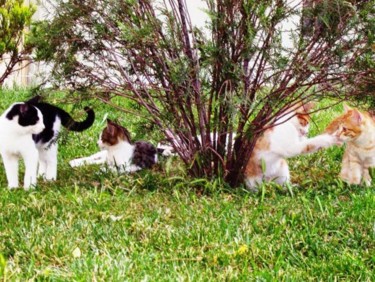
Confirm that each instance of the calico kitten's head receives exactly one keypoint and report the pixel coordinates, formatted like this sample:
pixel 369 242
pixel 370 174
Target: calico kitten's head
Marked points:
pixel 113 134
pixel 301 120
pixel 349 125
pixel 27 117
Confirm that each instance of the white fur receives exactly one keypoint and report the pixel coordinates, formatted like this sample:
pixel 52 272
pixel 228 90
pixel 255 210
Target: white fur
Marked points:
pixel 16 142
pixel 97 158
pixel 168 150
pixel 287 140
pixel 48 154
pixel 119 156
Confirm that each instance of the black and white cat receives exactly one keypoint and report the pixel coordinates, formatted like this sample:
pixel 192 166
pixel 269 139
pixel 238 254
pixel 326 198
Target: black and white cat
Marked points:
pixel 119 153
pixel 29 130
pixel 17 126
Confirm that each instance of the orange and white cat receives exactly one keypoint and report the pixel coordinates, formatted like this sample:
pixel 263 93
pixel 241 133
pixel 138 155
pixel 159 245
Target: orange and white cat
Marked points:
pixel 357 129
pixel 285 140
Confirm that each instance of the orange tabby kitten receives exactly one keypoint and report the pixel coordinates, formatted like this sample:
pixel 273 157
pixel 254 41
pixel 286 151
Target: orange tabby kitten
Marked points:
pixel 357 129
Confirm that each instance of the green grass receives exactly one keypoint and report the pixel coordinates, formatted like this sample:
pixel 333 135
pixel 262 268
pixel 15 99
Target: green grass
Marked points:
pixel 160 225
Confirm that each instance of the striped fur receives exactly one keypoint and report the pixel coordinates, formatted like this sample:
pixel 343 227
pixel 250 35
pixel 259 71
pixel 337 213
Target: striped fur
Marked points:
pixel 357 129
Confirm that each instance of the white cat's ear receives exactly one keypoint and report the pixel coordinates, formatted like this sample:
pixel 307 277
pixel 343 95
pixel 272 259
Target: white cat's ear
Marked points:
pixel 347 108
pixel 309 106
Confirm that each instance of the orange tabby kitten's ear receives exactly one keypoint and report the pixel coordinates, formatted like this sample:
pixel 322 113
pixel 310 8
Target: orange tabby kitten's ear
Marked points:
pixel 372 113
pixel 347 108
pixel 356 116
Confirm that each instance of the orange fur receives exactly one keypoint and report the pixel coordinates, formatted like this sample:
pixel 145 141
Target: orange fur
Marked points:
pixel 287 139
pixel 357 129
pixel 253 167
pixel 309 149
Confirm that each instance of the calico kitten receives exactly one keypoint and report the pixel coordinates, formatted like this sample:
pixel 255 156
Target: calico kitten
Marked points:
pixel 15 125
pixel 357 130
pixel 119 153
pixel 288 139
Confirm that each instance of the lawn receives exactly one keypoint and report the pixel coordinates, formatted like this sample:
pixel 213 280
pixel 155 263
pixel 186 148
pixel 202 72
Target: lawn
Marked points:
pixel 160 225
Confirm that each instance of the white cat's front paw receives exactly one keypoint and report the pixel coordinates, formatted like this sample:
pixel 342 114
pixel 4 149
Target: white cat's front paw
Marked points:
pixel 327 140
pixel 338 141
pixel 78 162
pixel 74 163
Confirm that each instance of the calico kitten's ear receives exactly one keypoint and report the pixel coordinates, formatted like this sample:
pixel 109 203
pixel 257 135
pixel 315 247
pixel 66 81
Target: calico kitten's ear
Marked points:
pixel 126 134
pixel 109 121
pixel 111 127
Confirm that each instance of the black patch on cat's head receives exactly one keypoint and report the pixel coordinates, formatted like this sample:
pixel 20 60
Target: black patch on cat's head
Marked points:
pixel 27 114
